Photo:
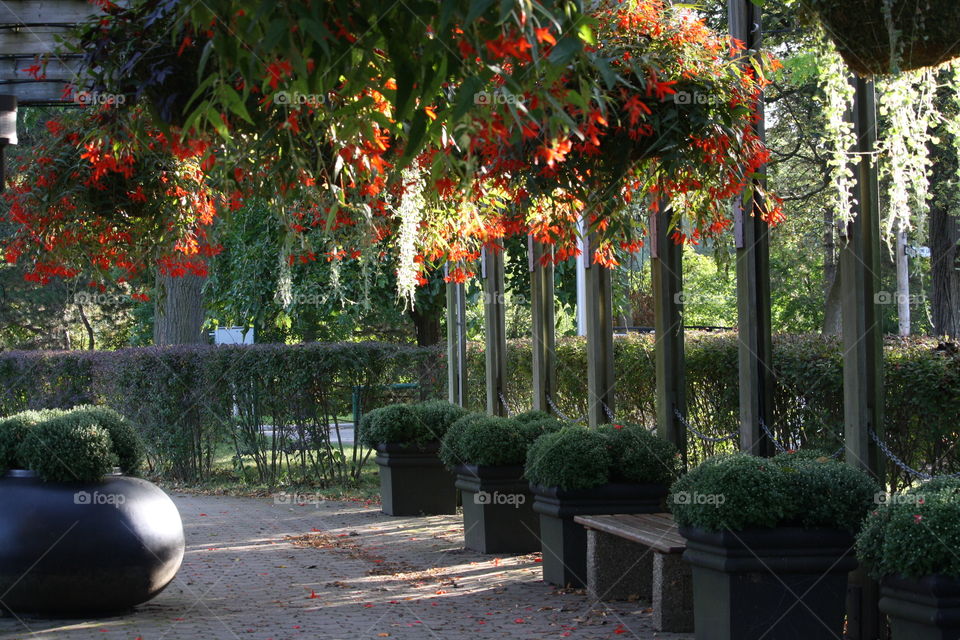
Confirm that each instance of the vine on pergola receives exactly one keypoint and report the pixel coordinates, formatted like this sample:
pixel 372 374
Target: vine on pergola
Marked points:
pixel 513 118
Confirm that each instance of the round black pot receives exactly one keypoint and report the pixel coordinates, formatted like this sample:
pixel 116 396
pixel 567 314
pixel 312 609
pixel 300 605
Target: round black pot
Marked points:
pixel 925 608
pixel 414 482
pixel 83 548
pixel 775 584
pixel 498 515
pixel 564 542
pixel 927 32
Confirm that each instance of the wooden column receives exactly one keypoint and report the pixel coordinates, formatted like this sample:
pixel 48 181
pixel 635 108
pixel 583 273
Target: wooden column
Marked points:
pixel 751 237
pixel 599 321
pixel 543 325
pixel 666 258
pixel 456 344
pixel 863 340
pixel 494 324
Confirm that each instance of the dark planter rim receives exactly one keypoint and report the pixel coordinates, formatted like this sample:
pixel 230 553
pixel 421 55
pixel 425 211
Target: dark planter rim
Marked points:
pixel 607 490
pixel 401 448
pixel 30 473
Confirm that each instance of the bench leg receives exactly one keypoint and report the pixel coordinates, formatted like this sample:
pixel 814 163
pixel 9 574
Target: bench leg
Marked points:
pixel 672 593
pixel 617 569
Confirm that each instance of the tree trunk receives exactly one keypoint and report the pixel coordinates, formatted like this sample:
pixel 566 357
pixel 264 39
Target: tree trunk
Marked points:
pixel 87 326
pixel 427 326
pixel 179 311
pixel 945 271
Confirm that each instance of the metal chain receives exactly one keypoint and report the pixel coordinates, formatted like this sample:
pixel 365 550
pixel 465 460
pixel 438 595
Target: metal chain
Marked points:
pixel 766 430
pixel 896 460
pixel 503 401
pixel 697 432
pixel 560 414
pixel 607 412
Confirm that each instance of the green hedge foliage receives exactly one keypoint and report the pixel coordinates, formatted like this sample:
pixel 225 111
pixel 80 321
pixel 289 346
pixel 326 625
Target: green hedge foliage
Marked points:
pixel 921 415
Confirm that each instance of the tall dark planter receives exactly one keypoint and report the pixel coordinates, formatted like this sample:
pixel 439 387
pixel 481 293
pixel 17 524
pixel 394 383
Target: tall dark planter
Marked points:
pixel 746 583
pixel 85 548
pixel 414 482
pixel 498 515
pixel 922 609
pixel 564 542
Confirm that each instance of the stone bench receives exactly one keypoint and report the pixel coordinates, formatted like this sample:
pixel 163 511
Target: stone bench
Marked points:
pixel 640 556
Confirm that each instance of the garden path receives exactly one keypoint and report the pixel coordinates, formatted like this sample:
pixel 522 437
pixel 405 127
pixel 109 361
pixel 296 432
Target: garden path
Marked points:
pixel 279 569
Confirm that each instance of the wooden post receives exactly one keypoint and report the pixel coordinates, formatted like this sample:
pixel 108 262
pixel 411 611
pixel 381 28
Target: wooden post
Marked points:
pixel 751 237
pixel 863 341
pixel 666 258
pixel 543 325
pixel 494 324
pixel 456 344
pixel 599 320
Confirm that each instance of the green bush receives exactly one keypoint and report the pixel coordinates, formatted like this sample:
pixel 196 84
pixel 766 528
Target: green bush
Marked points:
pixel 572 458
pixel 126 442
pixel 13 430
pixel 493 441
pixel 914 534
pixel 438 415
pixel 740 491
pixel 534 415
pixel 640 456
pixel 827 493
pixel 68 448
pixel 399 424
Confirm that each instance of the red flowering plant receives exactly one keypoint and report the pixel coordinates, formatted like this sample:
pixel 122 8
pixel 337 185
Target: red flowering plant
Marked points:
pixel 495 119
pixel 96 201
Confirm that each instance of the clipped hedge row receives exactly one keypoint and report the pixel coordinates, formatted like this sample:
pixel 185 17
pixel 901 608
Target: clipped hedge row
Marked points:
pixel 922 378
pixel 188 400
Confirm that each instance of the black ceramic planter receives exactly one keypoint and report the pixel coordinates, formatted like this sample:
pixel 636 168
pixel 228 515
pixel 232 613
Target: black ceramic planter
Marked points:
pixel 68 549
pixel 498 514
pixel 922 609
pixel 746 584
pixel 414 482
pixel 564 542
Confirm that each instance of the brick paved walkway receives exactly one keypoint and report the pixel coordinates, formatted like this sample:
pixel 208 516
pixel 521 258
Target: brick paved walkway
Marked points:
pixel 255 570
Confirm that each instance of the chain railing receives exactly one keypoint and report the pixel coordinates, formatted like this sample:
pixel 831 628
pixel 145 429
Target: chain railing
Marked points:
pixel 699 434
pixel 607 412
pixel 561 414
pixel 503 401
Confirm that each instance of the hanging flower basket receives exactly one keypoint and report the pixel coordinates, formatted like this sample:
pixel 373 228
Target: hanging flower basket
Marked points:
pixel 886 36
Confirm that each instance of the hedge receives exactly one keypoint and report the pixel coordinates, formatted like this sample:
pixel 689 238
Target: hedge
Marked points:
pixel 188 400
pixel 922 382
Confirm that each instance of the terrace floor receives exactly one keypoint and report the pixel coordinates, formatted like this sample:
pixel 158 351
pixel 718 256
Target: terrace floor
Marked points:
pixel 258 570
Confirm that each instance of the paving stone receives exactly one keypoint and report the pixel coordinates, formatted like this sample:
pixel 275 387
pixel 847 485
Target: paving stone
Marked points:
pixel 256 570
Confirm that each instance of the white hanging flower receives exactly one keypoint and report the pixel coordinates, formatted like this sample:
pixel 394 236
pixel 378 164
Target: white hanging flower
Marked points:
pixel 840 138
pixel 409 214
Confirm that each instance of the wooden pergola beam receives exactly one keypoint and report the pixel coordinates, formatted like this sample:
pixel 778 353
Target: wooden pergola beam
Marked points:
pixel 666 260
pixel 751 237
pixel 543 325
pixel 599 321
pixel 494 323
pixel 863 340
pixel 456 344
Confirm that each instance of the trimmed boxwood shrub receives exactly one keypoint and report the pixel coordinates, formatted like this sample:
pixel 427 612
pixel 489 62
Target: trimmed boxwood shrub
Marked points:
pixel 438 415
pixel 582 458
pixel 13 430
pixel 68 448
pixel 741 491
pixel 394 424
pixel 572 458
pixel 486 440
pixel 126 443
pixel 640 455
pixel 914 534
